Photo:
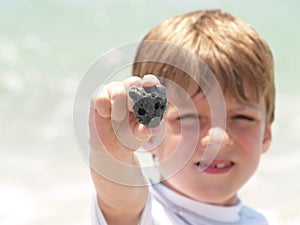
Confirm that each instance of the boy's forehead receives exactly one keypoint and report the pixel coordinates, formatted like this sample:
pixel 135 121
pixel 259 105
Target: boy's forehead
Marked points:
pixel 201 99
pixel 188 103
pixel 211 92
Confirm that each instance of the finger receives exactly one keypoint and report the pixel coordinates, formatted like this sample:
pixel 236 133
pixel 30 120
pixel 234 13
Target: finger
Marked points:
pixel 144 133
pixel 132 81
pixel 118 99
pixel 100 101
pixel 141 132
pixel 150 80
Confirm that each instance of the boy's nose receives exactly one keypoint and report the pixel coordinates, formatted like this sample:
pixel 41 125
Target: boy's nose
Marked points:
pixel 216 136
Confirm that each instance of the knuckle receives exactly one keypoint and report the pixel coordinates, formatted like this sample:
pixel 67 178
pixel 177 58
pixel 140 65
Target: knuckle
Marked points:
pixel 102 103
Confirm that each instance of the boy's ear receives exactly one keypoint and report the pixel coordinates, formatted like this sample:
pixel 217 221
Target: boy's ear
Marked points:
pixel 267 138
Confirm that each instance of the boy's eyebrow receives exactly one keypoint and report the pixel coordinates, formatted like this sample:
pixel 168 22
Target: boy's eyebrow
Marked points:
pixel 245 105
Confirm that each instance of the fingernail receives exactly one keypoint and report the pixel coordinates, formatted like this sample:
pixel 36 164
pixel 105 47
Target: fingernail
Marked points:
pixel 150 80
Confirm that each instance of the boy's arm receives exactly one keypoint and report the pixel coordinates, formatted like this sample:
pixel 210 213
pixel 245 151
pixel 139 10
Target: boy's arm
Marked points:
pixel 119 204
pixel 114 136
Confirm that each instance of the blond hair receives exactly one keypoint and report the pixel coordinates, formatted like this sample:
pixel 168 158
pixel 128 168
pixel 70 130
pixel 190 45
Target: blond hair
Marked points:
pixel 231 48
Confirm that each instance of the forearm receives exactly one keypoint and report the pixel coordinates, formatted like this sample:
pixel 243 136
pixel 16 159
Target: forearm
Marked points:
pixel 122 192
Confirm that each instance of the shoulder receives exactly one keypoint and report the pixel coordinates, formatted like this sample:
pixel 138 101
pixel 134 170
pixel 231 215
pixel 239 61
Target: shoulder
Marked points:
pixel 250 216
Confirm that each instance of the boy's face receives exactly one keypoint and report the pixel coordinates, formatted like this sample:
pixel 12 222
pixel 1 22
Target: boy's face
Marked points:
pixel 247 136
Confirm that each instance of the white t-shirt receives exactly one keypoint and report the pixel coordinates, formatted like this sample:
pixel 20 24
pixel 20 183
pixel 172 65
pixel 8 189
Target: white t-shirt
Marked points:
pixel 166 207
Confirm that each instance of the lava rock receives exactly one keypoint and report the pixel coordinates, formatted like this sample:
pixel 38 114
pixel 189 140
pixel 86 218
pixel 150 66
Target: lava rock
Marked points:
pixel 150 103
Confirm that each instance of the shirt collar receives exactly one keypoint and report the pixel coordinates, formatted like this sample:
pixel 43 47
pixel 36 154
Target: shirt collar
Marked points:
pixel 182 204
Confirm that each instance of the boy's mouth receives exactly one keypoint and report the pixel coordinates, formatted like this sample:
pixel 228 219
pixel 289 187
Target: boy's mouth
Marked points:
pixel 216 166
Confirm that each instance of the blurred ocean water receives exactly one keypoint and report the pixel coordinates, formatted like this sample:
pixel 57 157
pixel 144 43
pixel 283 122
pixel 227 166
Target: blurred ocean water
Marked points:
pixel 45 49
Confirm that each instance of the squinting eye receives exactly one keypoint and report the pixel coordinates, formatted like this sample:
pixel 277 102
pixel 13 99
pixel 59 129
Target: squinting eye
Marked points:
pixel 189 121
pixel 188 116
pixel 244 117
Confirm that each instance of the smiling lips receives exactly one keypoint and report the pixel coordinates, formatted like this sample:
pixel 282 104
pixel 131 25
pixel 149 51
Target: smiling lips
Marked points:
pixel 216 166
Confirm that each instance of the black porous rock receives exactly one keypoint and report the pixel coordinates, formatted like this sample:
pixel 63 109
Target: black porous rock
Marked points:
pixel 150 103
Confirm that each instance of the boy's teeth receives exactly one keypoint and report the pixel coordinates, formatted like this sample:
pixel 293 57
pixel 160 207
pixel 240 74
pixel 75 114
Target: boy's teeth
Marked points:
pixel 222 165
pixel 217 166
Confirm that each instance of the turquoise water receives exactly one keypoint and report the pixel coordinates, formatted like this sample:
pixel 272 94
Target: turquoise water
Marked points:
pixel 45 49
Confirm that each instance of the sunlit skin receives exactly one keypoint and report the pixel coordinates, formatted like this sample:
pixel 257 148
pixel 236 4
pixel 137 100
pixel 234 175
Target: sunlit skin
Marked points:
pixel 247 136
pixel 179 149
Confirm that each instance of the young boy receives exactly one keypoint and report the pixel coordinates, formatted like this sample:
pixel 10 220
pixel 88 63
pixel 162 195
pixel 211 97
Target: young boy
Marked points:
pixel 195 188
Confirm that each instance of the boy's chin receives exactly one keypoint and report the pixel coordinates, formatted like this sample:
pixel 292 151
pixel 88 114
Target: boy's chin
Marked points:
pixel 225 202
pixel 219 200
pixel 213 196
